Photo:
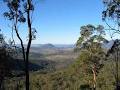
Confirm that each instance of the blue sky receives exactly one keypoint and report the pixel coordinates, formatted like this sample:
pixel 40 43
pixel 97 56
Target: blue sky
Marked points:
pixel 58 21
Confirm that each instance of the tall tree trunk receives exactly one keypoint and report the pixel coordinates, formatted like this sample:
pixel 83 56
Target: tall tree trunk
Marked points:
pixel 29 44
pixel 117 70
pixel 94 77
pixel 21 42
pixel 18 36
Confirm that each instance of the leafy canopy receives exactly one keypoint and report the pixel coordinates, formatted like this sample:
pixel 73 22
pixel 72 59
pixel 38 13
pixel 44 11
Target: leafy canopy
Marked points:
pixel 89 35
pixel 112 10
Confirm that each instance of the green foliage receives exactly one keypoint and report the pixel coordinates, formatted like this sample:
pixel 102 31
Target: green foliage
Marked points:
pixel 91 53
pixel 14 10
pixel 72 78
pixel 16 13
pixel 111 9
pixel 90 34
pixel 17 9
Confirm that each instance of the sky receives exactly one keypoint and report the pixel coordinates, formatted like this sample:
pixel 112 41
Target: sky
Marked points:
pixel 57 21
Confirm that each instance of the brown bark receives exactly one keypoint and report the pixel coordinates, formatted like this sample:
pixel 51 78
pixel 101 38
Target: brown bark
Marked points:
pixel 94 77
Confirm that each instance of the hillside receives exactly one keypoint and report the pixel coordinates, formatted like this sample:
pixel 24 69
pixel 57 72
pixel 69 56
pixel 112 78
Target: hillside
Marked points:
pixel 64 71
pixel 70 78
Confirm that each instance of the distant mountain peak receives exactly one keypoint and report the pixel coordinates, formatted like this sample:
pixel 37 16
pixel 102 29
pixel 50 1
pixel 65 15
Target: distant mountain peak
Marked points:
pixel 48 46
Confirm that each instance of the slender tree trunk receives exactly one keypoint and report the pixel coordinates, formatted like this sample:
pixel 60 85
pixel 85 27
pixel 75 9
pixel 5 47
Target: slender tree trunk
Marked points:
pixel 117 70
pixel 18 36
pixel 21 42
pixel 16 30
pixel 29 44
pixel 94 78
pixel 22 45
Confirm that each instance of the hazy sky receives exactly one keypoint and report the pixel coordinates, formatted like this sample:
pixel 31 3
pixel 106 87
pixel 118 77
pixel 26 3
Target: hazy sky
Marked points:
pixel 58 21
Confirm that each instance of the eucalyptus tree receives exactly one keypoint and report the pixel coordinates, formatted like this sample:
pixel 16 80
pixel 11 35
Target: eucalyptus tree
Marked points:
pixel 91 53
pixel 19 11
pixel 112 13
pixel 113 56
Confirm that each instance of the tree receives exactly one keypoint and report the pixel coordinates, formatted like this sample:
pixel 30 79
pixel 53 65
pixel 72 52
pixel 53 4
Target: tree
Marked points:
pixel 89 42
pixel 113 56
pixel 5 60
pixel 20 12
pixel 112 11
